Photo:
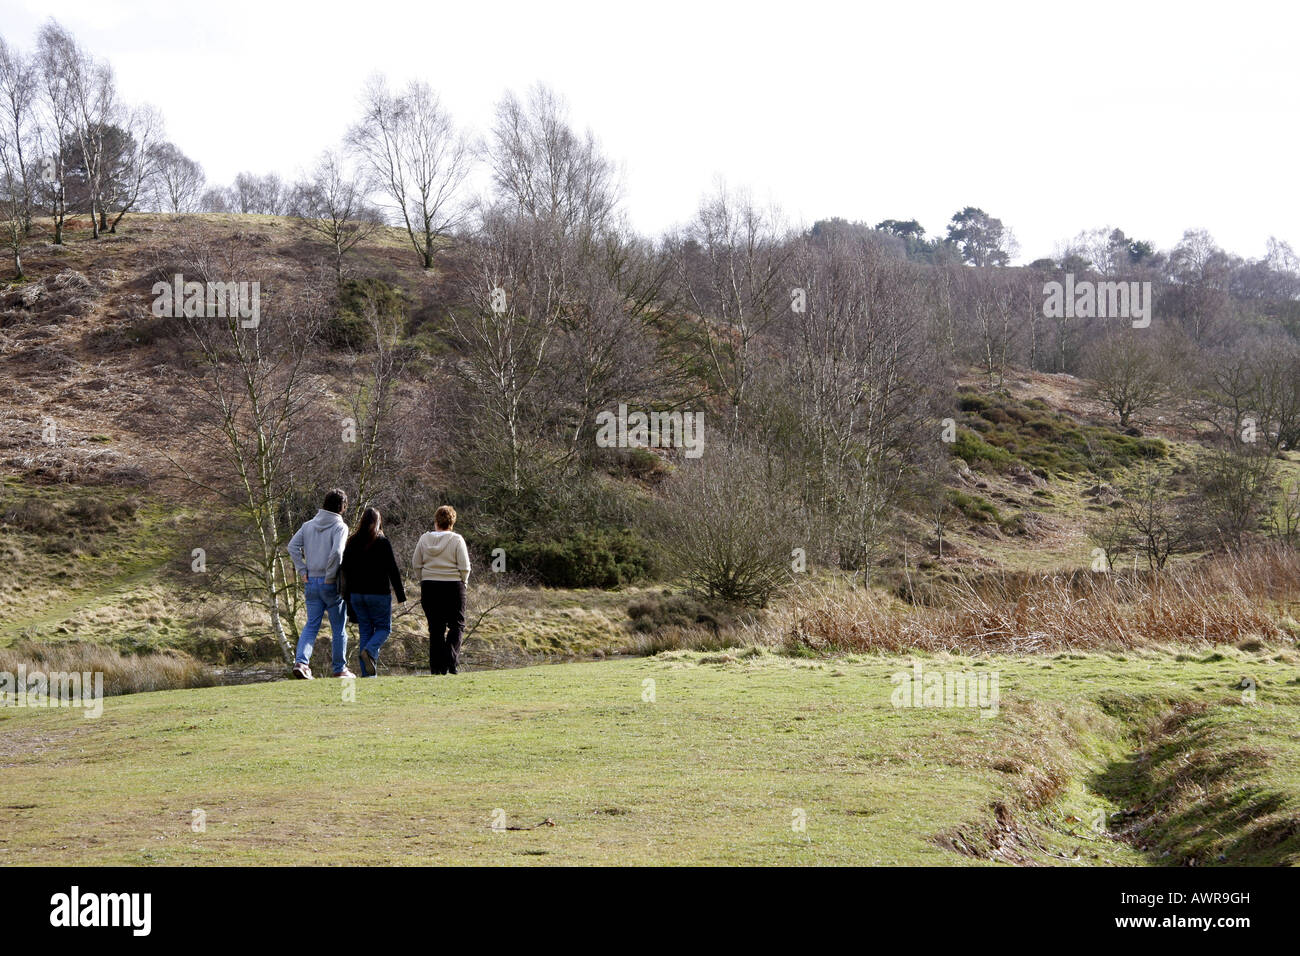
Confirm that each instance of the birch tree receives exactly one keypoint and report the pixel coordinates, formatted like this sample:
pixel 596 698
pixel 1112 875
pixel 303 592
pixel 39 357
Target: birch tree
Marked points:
pixel 18 88
pixel 333 204
pixel 417 159
pixel 91 96
pixel 177 182
pixel 248 394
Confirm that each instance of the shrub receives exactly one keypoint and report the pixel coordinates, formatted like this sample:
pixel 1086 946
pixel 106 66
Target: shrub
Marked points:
pixel 640 464
pixel 693 638
pixel 982 511
pixel 582 559
pixel 999 431
pixel 667 610
pixel 972 402
pixel 92 513
pixel 730 532
pixel 361 302
pixel 34 515
pixel 973 449
pixel 1226 600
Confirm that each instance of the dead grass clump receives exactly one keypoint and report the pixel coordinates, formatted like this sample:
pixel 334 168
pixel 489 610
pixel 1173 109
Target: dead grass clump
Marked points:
pixel 684 638
pixel 68 293
pixel 33 515
pixel 168 670
pixel 1228 600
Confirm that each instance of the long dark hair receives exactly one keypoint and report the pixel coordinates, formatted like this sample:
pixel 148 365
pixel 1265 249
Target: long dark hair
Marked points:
pixel 369 529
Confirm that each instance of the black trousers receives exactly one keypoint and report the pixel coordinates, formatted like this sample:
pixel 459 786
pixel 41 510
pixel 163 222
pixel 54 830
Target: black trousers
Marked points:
pixel 444 608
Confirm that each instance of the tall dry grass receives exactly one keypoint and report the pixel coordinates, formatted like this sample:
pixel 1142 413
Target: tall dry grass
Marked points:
pixel 123 674
pixel 1223 600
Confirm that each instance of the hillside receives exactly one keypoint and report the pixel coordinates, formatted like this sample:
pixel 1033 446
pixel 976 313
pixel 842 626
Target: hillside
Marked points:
pixel 98 530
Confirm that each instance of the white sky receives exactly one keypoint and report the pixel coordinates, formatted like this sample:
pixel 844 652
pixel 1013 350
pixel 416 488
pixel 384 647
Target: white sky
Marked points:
pixel 1155 117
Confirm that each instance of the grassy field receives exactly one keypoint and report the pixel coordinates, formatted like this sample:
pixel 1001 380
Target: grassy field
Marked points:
pixel 1144 758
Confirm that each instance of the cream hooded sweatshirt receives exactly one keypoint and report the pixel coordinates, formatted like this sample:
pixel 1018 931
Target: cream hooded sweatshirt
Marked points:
pixel 441 556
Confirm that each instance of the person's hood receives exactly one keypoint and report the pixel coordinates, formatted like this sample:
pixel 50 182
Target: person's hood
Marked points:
pixel 436 542
pixel 325 520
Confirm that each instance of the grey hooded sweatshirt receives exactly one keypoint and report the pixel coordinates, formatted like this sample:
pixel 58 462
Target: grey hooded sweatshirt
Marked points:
pixel 441 556
pixel 317 548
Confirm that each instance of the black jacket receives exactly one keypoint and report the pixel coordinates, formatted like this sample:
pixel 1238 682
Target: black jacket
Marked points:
pixel 371 570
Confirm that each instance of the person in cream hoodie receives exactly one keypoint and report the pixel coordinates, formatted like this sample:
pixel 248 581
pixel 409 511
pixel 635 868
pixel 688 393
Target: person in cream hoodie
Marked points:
pixel 442 562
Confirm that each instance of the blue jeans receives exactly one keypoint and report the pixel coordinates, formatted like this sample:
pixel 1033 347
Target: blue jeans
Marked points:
pixel 374 614
pixel 323 597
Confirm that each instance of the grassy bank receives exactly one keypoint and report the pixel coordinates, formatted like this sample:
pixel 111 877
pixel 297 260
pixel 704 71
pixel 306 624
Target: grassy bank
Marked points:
pixel 711 763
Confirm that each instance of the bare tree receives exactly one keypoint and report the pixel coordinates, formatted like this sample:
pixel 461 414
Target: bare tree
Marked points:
pixel 14 216
pixel 1277 395
pixel 217 199
pixel 18 91
pixel 859 373
pixel 377 410
pixel 1227 390
pixel 177 182
pixel 730 266
pixel 129 167
pixel 1160 529
pixel 249 392
pixel 730 536
pixel 260 195
pixel 517 295
pixel 92 94
pixel 934 498
pixel 548 175
pixel 1284 520
pixel 1237 486
pixel 412 151
pixel 333 204
pixel 1199 297
pixel 1128 373
pixel 545 170
pixel 993 301
pixel 1112 532
pixel 58 128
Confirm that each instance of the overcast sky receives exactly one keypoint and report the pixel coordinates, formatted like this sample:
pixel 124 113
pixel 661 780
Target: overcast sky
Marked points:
pixel 1154 117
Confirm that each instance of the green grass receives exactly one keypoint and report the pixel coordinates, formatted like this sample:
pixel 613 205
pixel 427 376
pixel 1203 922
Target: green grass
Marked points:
pixel 711 771
pixel 86 563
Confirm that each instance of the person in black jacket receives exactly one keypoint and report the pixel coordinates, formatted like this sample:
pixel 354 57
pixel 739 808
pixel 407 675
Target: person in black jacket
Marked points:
pixel 369 569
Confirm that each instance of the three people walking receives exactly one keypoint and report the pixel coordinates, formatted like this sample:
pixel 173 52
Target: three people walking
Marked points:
pixel 356 577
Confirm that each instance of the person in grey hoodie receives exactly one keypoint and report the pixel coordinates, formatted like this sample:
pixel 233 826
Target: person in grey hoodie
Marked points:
pixel 442 562
pixel 317 553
